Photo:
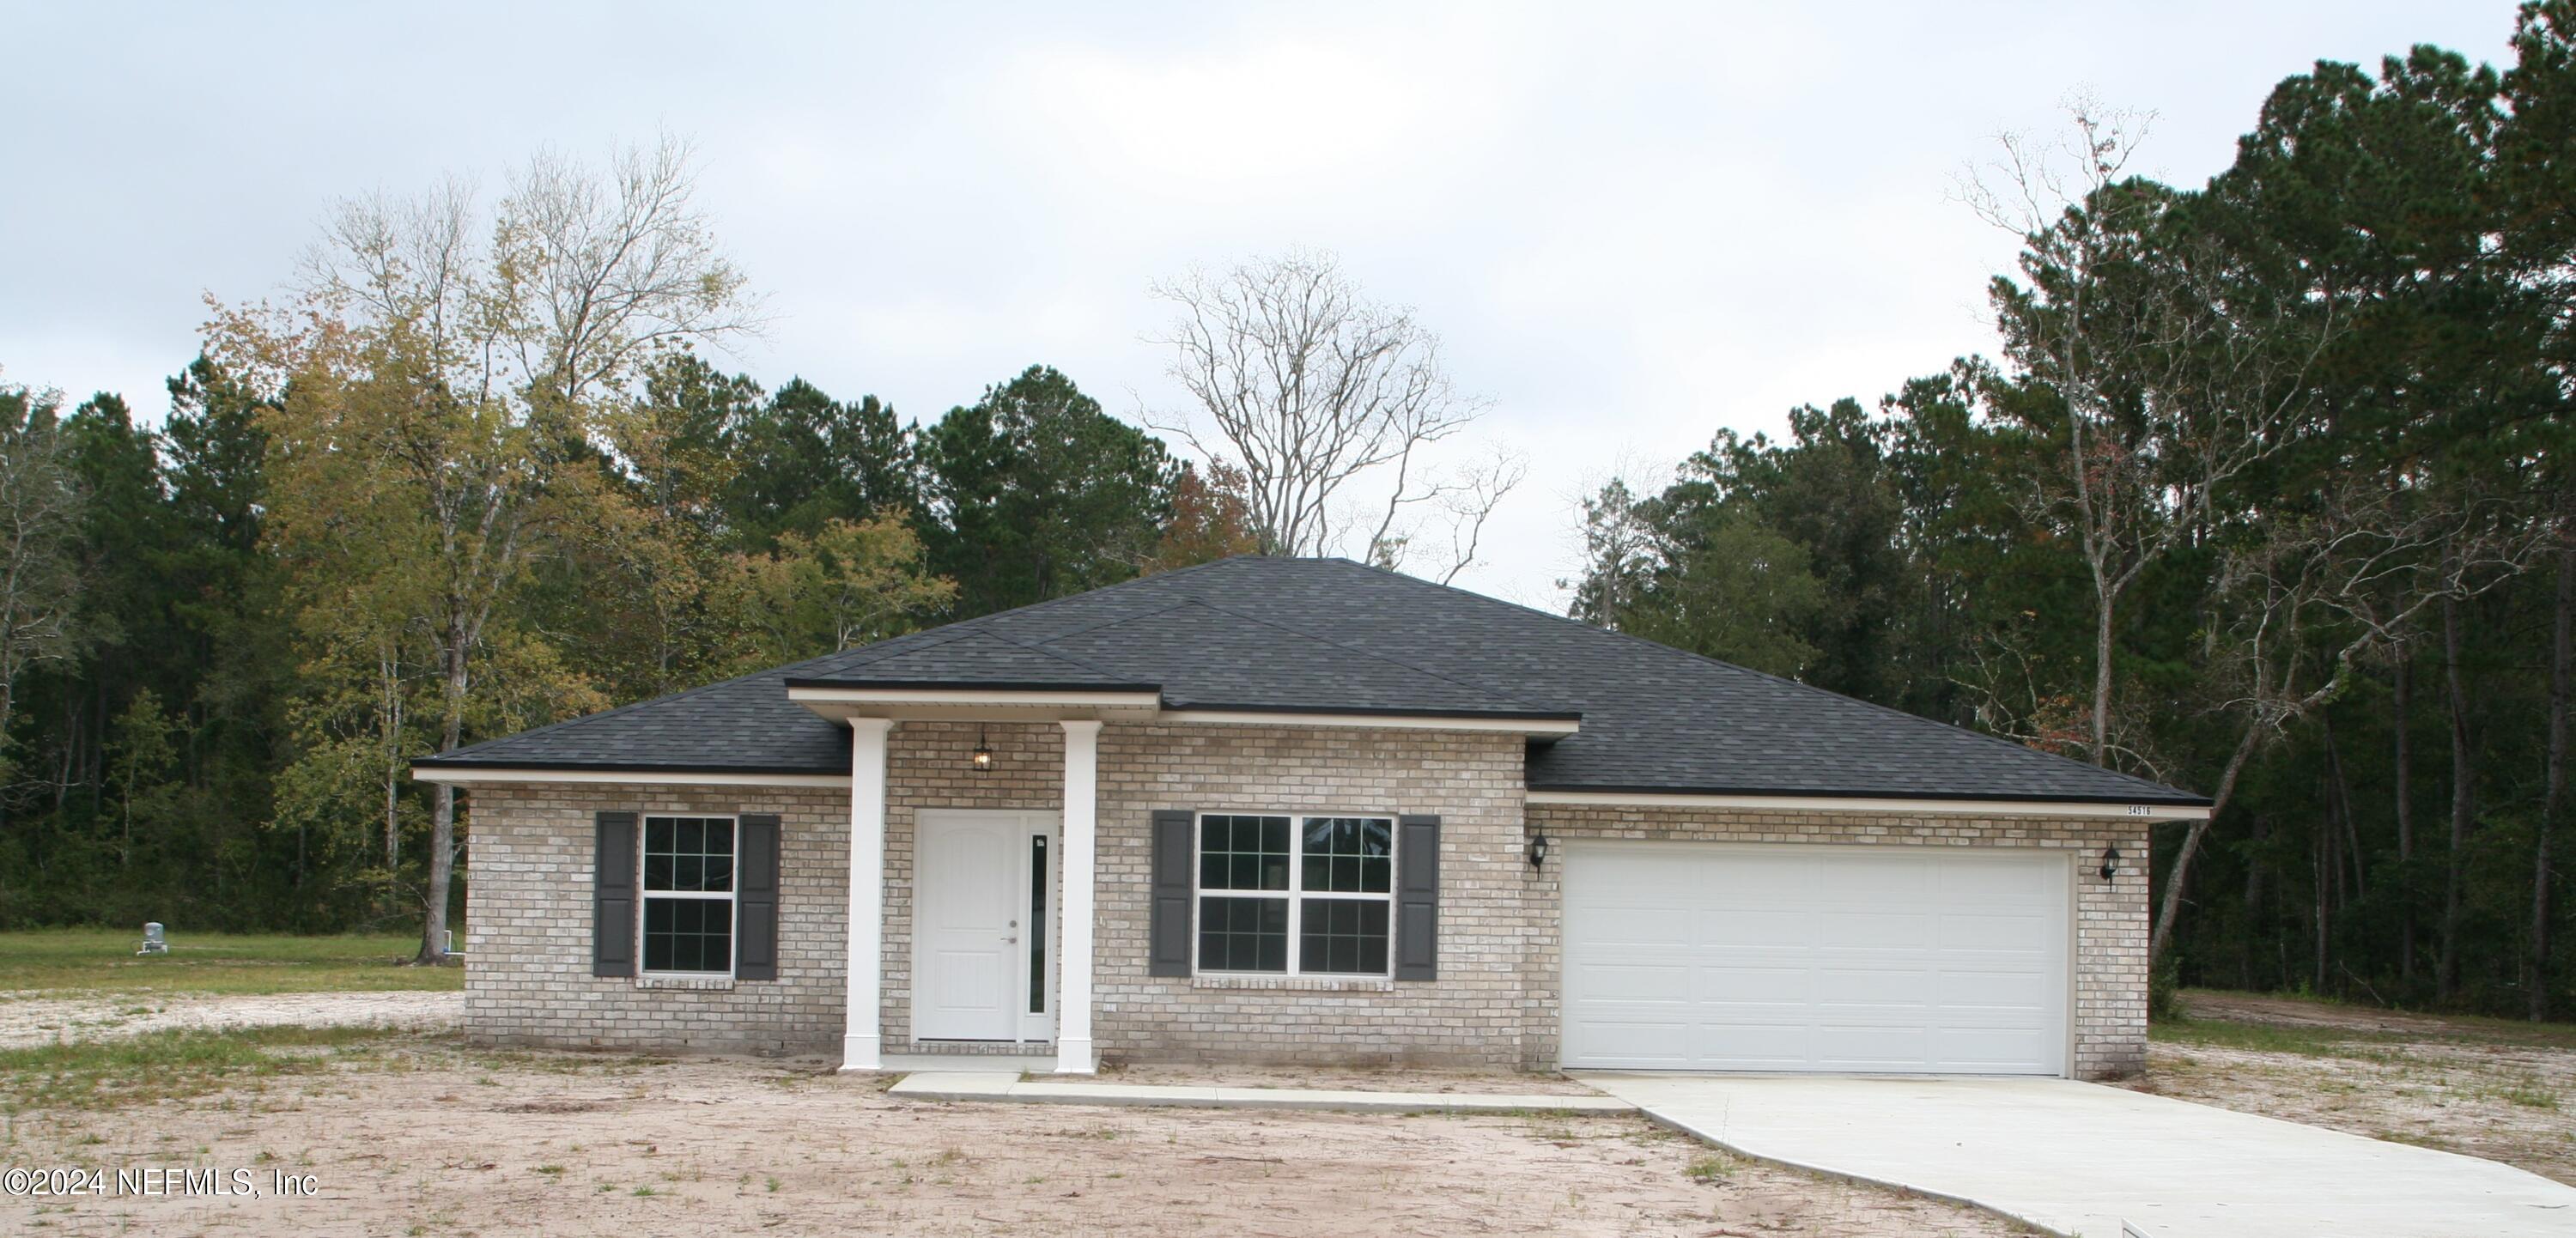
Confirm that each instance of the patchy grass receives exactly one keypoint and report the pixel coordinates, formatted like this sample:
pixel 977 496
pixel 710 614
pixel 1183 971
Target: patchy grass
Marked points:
pixel 2495 1088
pixel 2302 1039
pixel 69 961
pixel 170 1065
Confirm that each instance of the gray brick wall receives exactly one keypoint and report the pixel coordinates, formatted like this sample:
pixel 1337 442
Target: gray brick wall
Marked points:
pixel 528 931
pixel 1474 1014
pixel 1494 1005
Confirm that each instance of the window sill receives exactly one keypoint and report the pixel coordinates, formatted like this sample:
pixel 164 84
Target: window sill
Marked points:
pixel 1298 984
pixel 712 984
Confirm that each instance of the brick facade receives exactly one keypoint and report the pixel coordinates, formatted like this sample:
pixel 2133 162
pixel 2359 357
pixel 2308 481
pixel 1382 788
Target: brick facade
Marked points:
pixel 1495 1001
pixel 1472 1015
pixel 528 913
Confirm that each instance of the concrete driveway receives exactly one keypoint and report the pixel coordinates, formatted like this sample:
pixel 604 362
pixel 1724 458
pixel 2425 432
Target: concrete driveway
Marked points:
pixel 2082 1159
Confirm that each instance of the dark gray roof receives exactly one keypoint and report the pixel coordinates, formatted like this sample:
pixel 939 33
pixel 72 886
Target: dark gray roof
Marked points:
pixel 1298 635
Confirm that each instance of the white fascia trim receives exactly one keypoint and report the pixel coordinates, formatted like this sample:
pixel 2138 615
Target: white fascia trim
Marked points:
pixel 1383 722
pixel 973 696
pixel 1945 808
pixel 639 777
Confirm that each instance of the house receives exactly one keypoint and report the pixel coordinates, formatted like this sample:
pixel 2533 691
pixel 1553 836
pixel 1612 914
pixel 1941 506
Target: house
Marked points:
pixel 1305 810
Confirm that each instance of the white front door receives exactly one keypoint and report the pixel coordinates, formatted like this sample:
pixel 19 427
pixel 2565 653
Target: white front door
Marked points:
pixel 1711 956
pixel 982 891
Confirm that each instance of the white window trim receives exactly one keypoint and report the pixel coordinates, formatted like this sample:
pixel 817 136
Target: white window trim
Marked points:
pixel 732 898
pixel 1295 895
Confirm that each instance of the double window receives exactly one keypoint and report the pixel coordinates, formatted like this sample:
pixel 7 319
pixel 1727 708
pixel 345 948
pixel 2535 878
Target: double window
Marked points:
pixel 1295 895
pixel 688 895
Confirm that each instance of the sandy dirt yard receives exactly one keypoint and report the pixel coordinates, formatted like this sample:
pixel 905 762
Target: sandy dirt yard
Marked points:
pixel 418 1135
pixel 35 1017
pixel 2480 1086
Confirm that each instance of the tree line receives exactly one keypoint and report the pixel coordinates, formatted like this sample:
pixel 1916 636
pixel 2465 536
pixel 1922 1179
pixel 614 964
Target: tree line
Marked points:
pixel 2267 494
pixel 473 471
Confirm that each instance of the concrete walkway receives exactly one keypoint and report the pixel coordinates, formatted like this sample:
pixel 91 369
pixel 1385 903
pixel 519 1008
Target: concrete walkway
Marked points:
pixel 2082 1159
pixel 1008 1086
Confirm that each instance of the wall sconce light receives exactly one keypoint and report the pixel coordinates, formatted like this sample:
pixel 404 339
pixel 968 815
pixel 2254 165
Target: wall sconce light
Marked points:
pixel 2110 863
pixel 983 758
pixel 1537 849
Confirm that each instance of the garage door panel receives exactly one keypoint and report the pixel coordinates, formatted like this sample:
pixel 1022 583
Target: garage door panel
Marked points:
pixel 1802 957
pixel 1876 986
pixel 1843 1046
pixel 1874 930
pixel 2023 992
pixel 2010 933
pixel 1783 1046
pixel 1972 1050
pixel 1754 928
pixel 1722 986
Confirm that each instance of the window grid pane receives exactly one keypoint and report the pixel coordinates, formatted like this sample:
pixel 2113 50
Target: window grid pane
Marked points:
pixel 1243 934
pixel 688 934
pixel 1243 853
pixel 1342 935
pixel 688 855
pixel 1348 855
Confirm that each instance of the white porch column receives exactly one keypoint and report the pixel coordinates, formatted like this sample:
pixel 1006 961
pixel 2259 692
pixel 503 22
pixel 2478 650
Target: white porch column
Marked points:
pixel 1073 1055
pixel 860 1035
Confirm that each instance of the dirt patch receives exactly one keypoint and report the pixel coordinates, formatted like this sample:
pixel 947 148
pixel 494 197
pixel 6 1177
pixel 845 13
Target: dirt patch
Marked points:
pixel 35 1017
pixel 2470 1086
pixel 1462 1083
pixel 439 1139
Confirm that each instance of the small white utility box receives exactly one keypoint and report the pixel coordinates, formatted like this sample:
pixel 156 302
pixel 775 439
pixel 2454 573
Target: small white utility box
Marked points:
pixel 153 941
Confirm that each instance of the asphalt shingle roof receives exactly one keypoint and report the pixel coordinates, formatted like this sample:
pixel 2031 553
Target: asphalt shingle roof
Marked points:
pixel 1331 635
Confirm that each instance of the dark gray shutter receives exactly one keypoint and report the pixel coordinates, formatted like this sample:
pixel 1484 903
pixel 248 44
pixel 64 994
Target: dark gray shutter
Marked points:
pixel 1417 898
pixel 1173 849
pixel 755 897
pixel 612 895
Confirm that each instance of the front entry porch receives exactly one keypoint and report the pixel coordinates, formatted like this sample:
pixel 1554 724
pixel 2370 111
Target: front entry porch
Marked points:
pixel 1000 918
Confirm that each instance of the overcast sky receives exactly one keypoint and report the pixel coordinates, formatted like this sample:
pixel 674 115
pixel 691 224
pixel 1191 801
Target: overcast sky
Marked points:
pixel 1631 224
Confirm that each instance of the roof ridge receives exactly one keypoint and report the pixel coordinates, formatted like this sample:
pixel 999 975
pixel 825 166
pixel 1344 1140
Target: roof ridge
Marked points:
pixel 2015 745
pixel 1376 656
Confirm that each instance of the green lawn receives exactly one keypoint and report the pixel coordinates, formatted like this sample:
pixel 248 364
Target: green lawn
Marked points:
pixel 103 960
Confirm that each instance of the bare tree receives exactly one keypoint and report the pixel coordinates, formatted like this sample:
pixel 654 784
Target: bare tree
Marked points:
pixel 2307 601
pixel 39 517
pixel 2171 381
pixel 1307 384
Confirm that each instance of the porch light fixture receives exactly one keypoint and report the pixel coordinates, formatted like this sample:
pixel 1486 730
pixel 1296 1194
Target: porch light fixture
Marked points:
pixel 1537 849
pixel 983 758
pixel 2110 862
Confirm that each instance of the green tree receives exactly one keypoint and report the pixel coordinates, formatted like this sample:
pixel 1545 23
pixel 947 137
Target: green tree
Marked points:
pixel 1034 493
pixel 850 584
pixel 803 459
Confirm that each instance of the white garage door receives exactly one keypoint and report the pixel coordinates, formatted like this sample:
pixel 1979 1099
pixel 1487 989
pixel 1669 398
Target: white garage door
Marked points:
pixel 1709 956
